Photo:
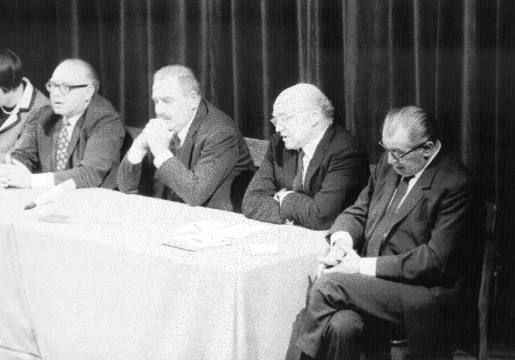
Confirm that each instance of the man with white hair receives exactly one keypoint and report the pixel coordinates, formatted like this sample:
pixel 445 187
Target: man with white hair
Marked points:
pixel 313 168
pixel 78 137
pixel 196 150
pixel 399 257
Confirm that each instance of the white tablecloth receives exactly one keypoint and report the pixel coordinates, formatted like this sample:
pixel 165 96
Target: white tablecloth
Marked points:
pixel 102 285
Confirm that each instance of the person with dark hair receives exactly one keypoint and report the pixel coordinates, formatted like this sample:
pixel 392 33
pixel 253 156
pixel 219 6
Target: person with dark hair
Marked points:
pixel 396 256
pixel 20 101
pixel 196 150
pixel 78 137
pixel 313 169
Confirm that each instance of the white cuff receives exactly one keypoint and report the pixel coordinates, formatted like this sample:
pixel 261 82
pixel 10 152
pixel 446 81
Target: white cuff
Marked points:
pixel 283 195
pixel 135 156
pixel 367 266
pixel 43 181
pixel 341 239
pixel 160 158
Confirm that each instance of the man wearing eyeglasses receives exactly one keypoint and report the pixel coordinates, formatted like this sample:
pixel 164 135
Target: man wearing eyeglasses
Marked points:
pixel 313 168
pixel 396 256
pixel 79 137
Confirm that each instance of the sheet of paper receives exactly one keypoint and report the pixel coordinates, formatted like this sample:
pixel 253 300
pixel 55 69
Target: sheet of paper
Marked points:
pixel 204 234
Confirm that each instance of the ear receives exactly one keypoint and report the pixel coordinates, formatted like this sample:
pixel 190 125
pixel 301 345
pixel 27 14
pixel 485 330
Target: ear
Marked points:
pixel 193 99
pixel 428 149
pixel 90 91
pixel 315 117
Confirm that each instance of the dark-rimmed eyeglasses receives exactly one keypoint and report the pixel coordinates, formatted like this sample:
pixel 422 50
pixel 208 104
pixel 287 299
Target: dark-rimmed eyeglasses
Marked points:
pixel 63 87
pixel 396 155
pixel 285 119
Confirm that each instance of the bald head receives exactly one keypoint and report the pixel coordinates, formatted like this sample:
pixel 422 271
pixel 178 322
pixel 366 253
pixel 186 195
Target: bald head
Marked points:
pixel 301 113
pixel 82 70
pixel 306 96
pixel 71 87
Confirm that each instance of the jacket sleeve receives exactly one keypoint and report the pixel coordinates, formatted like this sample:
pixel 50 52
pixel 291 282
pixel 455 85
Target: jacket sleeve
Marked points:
pixel 101 155
pixel 128 176
pixel 218 156
pixel 258 202
pixel 26 148
pixel 347 171
pixel 354 218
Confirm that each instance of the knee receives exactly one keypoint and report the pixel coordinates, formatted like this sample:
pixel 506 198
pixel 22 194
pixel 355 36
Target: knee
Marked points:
pixel 327 283
pixel 345 325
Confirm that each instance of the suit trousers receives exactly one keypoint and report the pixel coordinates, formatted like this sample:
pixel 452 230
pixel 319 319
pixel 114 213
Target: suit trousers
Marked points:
pixel 341 307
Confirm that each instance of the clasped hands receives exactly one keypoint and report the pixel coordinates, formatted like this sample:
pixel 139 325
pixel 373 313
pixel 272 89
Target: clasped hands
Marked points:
pixel 340 257
pixel 156 136
pixel 279 197
pixel 15 174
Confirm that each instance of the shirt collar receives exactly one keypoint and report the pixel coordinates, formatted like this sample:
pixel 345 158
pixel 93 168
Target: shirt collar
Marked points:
pixel 438 147
pixel 184 131
pixel 73 119
pixel 26 98
pixel 310 147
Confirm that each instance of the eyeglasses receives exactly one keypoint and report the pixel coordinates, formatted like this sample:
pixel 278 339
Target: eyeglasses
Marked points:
pixel 63 88
pixel 397 156
pixel 285 119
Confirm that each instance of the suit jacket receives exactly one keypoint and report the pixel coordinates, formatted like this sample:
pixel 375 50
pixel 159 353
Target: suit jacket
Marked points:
pixel 203 168
pixel 16 124
pixel 93 152
pixel 425 244
pixel 336 173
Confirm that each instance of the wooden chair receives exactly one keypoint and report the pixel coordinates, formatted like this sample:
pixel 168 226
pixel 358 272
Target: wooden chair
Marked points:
pixel 398 349
pixel 257 149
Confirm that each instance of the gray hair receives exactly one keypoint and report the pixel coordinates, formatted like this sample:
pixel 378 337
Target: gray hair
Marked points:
pixel 184 76
pixel 418 122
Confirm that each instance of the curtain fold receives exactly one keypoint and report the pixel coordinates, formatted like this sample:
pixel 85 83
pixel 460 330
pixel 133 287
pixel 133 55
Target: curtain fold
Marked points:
pixel 454 58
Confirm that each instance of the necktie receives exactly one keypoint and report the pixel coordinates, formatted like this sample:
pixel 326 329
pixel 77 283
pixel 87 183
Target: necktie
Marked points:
pixel 62 146
pixel 297 185
pixel 402 187
pixel 376 240
pixel 175 144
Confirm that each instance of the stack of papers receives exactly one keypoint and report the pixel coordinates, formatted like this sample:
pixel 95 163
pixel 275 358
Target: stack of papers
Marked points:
pixel 204 234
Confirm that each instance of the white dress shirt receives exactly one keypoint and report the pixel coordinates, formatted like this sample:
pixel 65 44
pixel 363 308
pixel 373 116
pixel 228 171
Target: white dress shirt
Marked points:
pixel 309 151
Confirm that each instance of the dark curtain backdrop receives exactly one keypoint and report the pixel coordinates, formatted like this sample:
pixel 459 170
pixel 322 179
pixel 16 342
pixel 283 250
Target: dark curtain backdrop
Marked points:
pixel 455 58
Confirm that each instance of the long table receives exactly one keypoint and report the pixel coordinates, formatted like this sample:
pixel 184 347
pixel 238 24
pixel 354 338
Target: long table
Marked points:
pixel 101 285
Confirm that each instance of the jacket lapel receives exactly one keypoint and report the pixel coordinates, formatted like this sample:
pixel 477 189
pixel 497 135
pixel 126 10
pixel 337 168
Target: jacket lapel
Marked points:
pixel 390 184
pixel 186 149
pixel 51 127
pixel 75 135
pixel 318 156
pixel 417 193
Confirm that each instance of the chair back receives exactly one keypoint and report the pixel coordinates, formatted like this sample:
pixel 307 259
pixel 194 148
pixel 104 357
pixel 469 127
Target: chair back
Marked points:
pixel 487 277
pixel 398 350
pixel 257 149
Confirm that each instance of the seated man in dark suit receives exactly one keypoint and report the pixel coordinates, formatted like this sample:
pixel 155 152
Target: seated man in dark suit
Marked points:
pixel 195 148
pixel 313 168
pixel 398 255
pixel 79 137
